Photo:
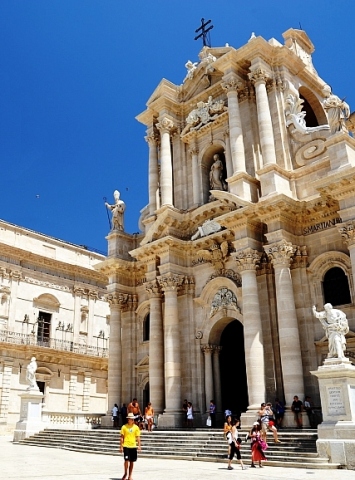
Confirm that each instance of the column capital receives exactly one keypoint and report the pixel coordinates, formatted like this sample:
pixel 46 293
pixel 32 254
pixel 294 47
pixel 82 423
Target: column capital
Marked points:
pixel 207 349
pixel 217 349
pixel 347 231
pixel 300 257
pixel 232 83
pixel 151 139
pixel 280 253
pixel 170 282
pixel 193 150
pixel 258 76
pixel 153 289
pixel 247 259
pixel 165 125
pixel 117 299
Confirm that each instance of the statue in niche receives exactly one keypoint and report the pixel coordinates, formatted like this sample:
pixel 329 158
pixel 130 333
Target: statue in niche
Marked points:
pixel 336 326
pixel 337 110
pixel 31 374
pixel 216 174
pixel 117 210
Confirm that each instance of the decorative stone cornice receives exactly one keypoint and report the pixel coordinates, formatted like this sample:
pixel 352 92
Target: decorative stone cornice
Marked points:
pixel 347 231
pixel 247 259
pixel 171 282
pixel 280 253
pixel 258 75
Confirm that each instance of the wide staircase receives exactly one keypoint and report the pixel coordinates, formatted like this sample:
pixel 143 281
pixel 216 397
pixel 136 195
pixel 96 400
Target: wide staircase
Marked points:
pixel 298 448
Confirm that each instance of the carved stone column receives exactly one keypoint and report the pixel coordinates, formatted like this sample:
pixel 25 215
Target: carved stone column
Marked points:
pixel 117 301
pixel 72 390
pixel 172 358
pixel 5 388
pixel 280 255
pixel 86 391
pixel 207 352
pixel 156 347
pixel 153 173
pixel 231 85
pixel 266 133
pixel 165 127
pixel 247 261
pixel 196 177
pixel 217 378
pixel 347 231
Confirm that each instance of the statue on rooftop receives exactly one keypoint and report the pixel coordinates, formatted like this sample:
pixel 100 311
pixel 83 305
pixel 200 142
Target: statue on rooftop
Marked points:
pixel 117 210
pixel 337 110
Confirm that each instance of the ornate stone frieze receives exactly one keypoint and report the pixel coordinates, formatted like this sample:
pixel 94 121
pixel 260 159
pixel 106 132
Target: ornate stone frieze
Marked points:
pixel 204 113
pixel 280 253
pixel 227 273
pixel 224 299
pixel 247 259
pixel 42 283
pixel 347 232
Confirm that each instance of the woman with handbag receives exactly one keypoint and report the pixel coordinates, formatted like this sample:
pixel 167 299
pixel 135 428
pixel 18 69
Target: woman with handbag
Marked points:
pixel 257 446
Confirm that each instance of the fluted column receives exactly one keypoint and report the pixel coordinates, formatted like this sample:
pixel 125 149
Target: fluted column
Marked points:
pixel 217 378
pixel 165 127
pixel 231 85
pixel 227 154
pixel 207 351
pixel 156 347
pixel 280 255
pixel 172 359
pixel 15 280
pixel 347 231
pixel 196 178
pixel 153 173
pixel 266 133
pixel 73 380
pixel 247 261
pixel 86 391
pixel 114 380
pixel 5 387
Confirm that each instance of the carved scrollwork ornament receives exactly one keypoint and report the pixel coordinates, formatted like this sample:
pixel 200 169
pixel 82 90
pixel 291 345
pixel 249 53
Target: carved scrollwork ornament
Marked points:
pixel 198 335
pixel 347 232
pixel 165 125
pixel 224 299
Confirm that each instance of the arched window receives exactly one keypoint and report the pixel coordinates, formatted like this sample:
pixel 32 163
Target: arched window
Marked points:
pixel 336 287
pixel 146 327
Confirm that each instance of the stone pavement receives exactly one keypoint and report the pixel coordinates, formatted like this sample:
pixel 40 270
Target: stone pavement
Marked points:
pixel 32 463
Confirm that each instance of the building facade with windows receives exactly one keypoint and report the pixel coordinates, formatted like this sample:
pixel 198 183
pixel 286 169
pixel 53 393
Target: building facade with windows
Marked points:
pixel 52 307
pixel 250 222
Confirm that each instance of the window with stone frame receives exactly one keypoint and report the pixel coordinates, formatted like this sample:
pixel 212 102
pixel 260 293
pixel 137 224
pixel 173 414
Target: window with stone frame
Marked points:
pixel 146 327
pixel 336 287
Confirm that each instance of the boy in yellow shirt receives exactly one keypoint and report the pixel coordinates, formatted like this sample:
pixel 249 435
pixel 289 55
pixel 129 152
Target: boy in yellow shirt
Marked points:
pixel 130 438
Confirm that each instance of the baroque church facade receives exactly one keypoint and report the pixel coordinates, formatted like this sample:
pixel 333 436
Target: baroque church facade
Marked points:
pixel 53 308
pixel 250 222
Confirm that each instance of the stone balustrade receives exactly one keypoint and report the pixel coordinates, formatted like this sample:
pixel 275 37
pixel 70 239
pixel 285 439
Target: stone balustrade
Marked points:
pixel 72 420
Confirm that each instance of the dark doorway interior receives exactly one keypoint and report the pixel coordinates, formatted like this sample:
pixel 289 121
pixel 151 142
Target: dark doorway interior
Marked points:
pixel 146 396
pixel 43 329
pixel 233 373
pixel 336 287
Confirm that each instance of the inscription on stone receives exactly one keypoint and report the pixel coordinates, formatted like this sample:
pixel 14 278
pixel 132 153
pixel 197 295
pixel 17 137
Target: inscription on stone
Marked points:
pixel 336 403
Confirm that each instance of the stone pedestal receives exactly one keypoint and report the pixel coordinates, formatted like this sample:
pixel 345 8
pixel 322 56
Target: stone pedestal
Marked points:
pixel 30 415
pixel 336 434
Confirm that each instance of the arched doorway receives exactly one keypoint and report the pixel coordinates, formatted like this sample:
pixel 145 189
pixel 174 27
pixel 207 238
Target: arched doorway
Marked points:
pixel 232 369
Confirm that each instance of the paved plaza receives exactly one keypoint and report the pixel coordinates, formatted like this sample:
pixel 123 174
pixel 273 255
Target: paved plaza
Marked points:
pixel 32 463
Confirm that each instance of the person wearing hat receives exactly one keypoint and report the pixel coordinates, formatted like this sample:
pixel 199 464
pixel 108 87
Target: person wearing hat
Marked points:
pixel 130 438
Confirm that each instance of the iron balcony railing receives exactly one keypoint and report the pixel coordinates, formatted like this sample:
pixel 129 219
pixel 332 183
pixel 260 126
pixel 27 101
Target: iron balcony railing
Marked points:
pixel 57 344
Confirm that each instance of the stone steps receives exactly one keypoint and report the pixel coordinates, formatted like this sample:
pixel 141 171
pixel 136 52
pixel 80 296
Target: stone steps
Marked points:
pixel 298 448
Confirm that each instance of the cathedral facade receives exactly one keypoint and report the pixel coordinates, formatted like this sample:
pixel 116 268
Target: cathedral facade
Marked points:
pixel 250 222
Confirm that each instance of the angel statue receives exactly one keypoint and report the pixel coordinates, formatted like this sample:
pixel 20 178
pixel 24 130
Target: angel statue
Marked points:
pixel 216 255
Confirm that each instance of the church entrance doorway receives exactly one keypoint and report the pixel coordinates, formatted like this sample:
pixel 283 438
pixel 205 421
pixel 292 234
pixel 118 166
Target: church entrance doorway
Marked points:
pixel 233 372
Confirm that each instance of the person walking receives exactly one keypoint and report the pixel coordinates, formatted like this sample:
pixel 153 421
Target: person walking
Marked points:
pixel 234 443
pixel 257 446
pixel 130 439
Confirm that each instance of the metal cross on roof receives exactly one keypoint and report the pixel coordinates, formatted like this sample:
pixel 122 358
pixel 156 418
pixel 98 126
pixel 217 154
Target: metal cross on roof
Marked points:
pixel 205 38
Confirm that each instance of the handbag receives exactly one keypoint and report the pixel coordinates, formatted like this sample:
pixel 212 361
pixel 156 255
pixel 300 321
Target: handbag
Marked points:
pixel 209 421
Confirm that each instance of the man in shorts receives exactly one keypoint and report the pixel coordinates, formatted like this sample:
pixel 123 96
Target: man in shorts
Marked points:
pixel 130 438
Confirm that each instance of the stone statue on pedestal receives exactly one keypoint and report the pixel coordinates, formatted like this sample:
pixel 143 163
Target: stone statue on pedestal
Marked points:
pixel 31 374
pixel 216 174
pixel 336 326
pixel 117 210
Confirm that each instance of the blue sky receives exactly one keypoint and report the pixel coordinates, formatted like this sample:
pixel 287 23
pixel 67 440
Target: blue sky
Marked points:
pixel 75 73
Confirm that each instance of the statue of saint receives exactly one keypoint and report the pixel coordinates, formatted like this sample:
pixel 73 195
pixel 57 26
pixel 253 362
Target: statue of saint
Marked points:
pixel 31 374
pixel 216 174
pixel 336 326
pixel 337 110
pixel 117 210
